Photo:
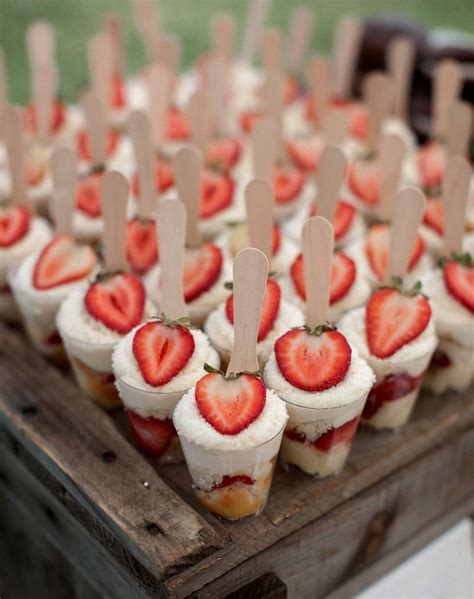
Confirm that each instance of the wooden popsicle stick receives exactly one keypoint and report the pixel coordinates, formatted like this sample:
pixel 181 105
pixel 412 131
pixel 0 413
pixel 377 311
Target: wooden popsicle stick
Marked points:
pixel 149 26
pixel 263 137
pixel 378 96
pixel 199 113
pixel 256 15
pixel 114 199
pixel 319 82
pixel 3 81
pixel 273 103
pixel 41 43
pixel 401 53
pixel 223 37
pixel 302 24
pixel 272 50
pixel 330 177
pixel 13 136
pixel 171 226
pixel 250 278
pixel 93 110
pixel 44 82
pixel 169 54
pixel 218 73
pixel 113 26
pixel 318 248
pixel 335 125
pixel 140 133
pixel 345 55
pixel 447 85
pixel 459 130
pixel 455 195
pixel 64 173
pixel 409 206
pixel 187 165
pixel 100 54
pixel 159 88
pixel 259 205
pixel 390 156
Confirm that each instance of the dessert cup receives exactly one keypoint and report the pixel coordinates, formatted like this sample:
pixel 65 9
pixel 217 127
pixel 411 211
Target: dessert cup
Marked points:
pixel 398 378
pixel 231 474
pixel 150 409
pixel 321 426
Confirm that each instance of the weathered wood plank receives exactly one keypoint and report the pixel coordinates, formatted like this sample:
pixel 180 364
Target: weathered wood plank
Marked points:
pixel 81 448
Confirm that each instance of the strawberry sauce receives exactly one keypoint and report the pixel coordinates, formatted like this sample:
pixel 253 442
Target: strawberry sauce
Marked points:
pixel 339 434
pixel 392 387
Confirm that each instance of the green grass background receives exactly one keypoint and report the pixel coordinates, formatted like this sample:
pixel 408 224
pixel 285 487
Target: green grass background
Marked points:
pixel 77 20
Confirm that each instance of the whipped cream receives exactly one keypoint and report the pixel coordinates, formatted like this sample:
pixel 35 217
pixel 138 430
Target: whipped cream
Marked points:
pixel 221 331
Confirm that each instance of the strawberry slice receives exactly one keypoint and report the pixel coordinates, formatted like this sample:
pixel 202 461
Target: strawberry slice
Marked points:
pixel 287 183
pixel 339 434
pixel 56 118
pixel 228 481
pixel 376 249
pixel 14 224
pixel 83 145
pixel 459 281
pixel 118 301
pixel 151 434
pixel 202 268
pixel 357 114
pixel 162 351
pixel 230 405
pixel 363 180
pixel 390 388
pixel 141 243
pixel 223 154
pixel 217 193
pixel 305 153
pixel 176 125
pixel 392 320
pixel 88 195
pixel 63 261
pixel 313 362
pixel 434 215
pixel 431 162
pixel 343 218
pixel 248 118
pixel 276 239
pixel 291 89
pixel 343 273
pixel 117 97
pixel 270 309
pixel 163 174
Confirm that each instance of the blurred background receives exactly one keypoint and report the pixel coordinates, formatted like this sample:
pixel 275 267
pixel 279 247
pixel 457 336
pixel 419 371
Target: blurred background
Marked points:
pixel 77 20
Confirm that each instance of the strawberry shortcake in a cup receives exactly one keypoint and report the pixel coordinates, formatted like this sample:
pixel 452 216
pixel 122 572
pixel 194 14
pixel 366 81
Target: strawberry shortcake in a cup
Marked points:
pixel 154 365
pixel 395 334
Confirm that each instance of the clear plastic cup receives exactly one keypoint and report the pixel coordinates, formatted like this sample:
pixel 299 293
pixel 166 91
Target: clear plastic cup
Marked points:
pixel 318 440
pixel 232 483
pixel 152 426
pixel 451 367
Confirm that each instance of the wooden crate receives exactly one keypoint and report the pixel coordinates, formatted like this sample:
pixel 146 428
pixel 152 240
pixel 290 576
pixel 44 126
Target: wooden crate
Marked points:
pixel 126 528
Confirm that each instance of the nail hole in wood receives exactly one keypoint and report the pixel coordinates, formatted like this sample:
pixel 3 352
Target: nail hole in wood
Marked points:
pixel 29 410
pixel 153 529
pixel 108 457
pixel 50 514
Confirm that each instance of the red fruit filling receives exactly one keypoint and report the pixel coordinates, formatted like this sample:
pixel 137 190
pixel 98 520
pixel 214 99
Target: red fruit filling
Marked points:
pixel 339 434
pixel 151 434
pixel 227 481
pixel 391 388
pixel 440 360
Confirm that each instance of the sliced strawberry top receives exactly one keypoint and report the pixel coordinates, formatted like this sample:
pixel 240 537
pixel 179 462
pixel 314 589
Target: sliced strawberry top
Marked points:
pixel 177 126
pixel 217 193
pixel 305 153
pixel 287 183
pixel 56 118
pixel 276 239
pixel 117 301
pixel 15 223
pixel 141 243
pixel 162 351
pixel 270 309
pixel 202 268
pixel 363 180
pixel 343 274
pixel 230 405
pixel 313 362
pixel 431 161
pixel 63 261
pixel 88 195
pixel 84 147
pixel 163 174
pixel 434 215
pixel 117 93
pixel 343 218
pixel 392 320
pixel 223 154
pixel 459 281
pixel 376 249
pixel 248 118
